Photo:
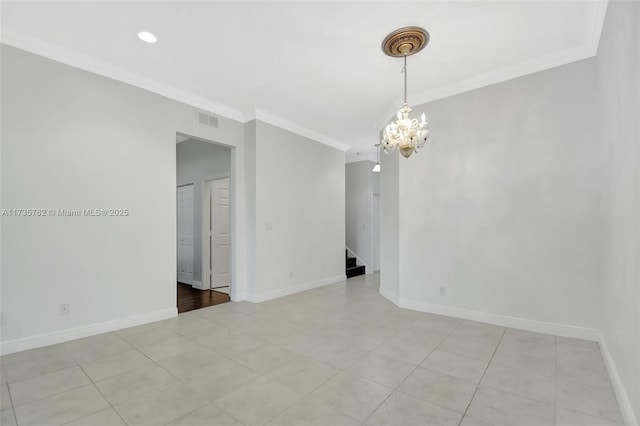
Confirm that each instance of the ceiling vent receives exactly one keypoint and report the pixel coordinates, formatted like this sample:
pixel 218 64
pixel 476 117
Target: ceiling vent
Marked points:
pixel 207 119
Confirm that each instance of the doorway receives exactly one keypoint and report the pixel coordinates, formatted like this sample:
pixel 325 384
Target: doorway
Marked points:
pixel 204 232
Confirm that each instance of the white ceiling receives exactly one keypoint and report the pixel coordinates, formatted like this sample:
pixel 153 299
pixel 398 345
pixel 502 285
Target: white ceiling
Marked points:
pixel 312 67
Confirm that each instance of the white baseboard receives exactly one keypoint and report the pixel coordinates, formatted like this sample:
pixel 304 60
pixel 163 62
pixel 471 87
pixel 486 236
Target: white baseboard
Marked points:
pixel 621 393
pixel 268 295
pixel 17 345
pixel 556 329
pixel 237 297
pixel 535 326
pixel 198 285
pixel 391 297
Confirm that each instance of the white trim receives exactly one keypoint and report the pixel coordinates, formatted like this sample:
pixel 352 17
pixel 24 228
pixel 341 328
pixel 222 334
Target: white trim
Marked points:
pixel 593 29
pixel 618 386
pixel 55 337
pixel 235 217
pixel 274 294
pixel 237 297
pixel 198 285
pixel 499 75
pixel 507 73
pixel 594 23
pixel 535 326
pixel 96 66
pixel 391 297
pixel 556 329
pixel 282 123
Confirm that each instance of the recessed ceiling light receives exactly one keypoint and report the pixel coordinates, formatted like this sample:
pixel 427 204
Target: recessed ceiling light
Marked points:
pixel 147 37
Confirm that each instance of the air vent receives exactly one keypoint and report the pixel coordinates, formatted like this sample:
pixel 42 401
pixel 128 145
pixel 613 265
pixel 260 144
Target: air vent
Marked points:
pixel 207 119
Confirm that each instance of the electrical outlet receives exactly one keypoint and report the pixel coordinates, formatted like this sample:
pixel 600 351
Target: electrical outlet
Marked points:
pixel 443 291
pixel 290 275
pixel 65 308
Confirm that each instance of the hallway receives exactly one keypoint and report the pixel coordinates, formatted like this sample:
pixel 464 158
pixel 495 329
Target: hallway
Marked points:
pixel 190 298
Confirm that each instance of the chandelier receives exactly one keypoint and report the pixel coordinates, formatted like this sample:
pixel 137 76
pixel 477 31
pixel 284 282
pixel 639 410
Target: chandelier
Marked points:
pixel 406 134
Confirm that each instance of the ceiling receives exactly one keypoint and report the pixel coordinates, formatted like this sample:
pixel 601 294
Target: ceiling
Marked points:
pixel 315 68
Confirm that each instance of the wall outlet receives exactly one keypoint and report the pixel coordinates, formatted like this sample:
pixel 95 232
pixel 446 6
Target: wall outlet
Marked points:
pixel 65 308
pixel 443 291
pixel 291 275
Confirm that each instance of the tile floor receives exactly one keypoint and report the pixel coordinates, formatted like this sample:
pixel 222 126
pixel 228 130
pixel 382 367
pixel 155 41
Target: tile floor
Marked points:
pixel 338 355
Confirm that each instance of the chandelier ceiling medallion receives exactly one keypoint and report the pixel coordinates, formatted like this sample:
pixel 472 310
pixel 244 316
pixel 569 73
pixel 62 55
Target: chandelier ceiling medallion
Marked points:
pixel 405 133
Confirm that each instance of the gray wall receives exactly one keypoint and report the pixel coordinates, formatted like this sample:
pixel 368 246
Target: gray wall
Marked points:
pixel 250 178
pixel 73 139
pixel 503 207
pixel 618 72
pixel 300 211
pixel 376 183
pixel 359 213
pixel 196 160
pixel 389 217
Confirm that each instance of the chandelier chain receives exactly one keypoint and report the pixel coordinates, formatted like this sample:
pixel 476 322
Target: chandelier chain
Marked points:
pixel 404 71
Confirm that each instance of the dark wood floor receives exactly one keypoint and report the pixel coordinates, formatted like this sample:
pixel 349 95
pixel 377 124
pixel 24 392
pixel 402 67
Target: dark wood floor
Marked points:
pixel 190 298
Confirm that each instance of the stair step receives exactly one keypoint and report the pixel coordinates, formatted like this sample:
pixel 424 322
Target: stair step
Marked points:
pixel 355 271
pixel 351 262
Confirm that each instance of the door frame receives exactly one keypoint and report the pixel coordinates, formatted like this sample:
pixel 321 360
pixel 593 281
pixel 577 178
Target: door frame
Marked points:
pixel 238 221
pixel 205 186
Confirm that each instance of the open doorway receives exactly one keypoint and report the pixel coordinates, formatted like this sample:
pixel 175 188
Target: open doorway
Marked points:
pixel 203 180
pixel 362 229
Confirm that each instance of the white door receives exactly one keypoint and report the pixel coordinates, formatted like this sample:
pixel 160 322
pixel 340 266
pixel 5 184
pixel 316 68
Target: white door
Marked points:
pixel 185 234
pixel 219 236
pixel 376 233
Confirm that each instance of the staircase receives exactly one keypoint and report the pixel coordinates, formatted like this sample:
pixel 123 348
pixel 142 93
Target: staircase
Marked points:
pixel 353 269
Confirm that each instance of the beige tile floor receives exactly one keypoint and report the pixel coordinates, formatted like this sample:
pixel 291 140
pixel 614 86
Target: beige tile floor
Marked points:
pixel 338 355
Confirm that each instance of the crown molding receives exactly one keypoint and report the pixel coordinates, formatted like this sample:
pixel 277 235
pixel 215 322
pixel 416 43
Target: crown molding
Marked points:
pixel 96 66
pixel 596 13
pixel 282 123
pixel 507 73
